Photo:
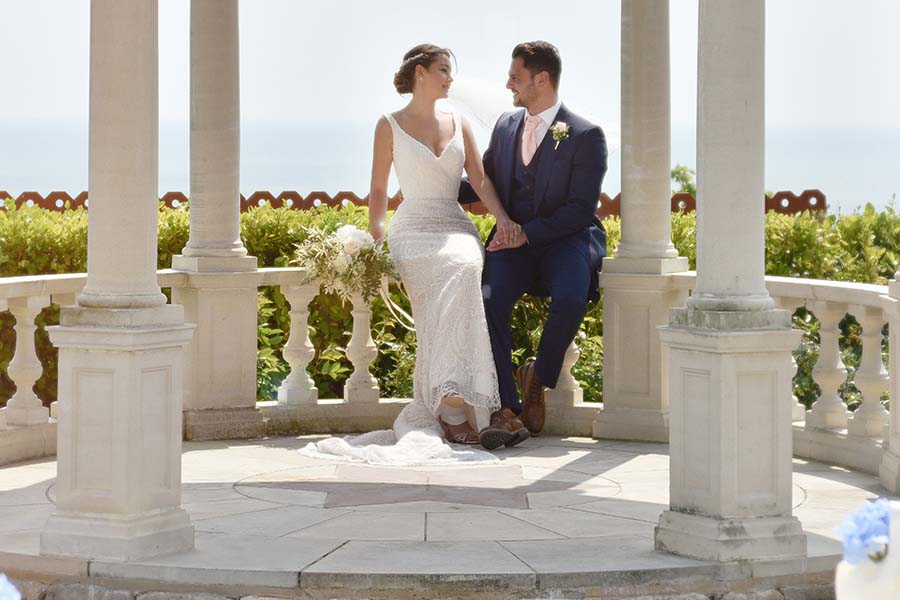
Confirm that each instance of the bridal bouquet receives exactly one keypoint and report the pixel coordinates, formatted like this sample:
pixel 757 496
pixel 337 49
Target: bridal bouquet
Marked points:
pixel 346 262
pixel 870 569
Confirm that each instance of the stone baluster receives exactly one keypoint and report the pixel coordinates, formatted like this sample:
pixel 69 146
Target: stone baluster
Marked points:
pixel 567 382
pixel 798 410
pixel 871 378
pixel 298 387
pixel 25 408
pixel 567 414
pixel 829 411
pixel 361 386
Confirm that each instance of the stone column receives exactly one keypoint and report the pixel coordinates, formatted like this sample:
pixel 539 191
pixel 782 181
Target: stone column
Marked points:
pixel 890 460
pixel 729 350
pixel 637 293
pixel 118 492
pixel 220 295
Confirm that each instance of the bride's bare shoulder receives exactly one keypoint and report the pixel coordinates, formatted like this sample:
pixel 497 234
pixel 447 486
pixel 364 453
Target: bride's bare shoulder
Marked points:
pixel 383 131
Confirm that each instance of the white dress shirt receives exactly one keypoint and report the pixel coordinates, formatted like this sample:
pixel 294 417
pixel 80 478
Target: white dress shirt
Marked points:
pixel 546 120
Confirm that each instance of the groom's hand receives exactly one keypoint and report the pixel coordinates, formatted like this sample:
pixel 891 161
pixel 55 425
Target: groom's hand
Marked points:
pixel 497 244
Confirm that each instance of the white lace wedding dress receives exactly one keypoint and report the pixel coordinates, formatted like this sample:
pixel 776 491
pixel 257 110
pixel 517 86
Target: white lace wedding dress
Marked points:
pixel 439 255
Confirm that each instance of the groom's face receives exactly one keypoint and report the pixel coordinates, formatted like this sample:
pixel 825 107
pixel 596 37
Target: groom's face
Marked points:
pixel 521 84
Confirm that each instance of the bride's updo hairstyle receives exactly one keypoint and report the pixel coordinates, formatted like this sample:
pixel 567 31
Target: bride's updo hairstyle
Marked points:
pixel 423 54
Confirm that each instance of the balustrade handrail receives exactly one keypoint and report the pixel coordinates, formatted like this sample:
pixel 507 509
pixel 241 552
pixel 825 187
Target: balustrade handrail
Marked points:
pixel 825 290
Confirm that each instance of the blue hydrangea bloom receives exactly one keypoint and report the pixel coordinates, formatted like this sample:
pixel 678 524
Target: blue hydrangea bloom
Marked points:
pixel 865 531
pixel 7 590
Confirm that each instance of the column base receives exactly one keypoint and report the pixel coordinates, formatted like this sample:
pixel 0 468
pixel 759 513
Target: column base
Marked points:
pixel 220 361
pixel 633 424
pixel 26 415
pixel 223 424
pixel 121 539
pixel 214 264
pixel 726 540
pixel 638 295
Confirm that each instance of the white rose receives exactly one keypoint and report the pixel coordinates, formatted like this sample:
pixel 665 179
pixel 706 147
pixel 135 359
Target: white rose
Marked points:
pixel 352 238
pixel 561 126
pixel 351 246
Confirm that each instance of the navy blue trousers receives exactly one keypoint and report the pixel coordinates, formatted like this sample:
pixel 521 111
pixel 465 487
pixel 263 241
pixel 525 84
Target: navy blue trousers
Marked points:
pixel 561 271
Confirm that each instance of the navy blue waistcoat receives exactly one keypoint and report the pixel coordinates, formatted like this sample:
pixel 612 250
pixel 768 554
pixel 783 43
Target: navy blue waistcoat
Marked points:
pixel 521 200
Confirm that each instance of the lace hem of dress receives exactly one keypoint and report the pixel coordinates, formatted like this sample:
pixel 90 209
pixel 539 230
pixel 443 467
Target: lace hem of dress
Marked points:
pixel 469 396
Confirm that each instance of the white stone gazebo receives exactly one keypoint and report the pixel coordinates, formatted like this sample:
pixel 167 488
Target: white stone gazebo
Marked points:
pixel 699 360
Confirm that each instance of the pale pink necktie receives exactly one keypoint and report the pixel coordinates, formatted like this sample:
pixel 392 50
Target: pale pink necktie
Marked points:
pixel 529 138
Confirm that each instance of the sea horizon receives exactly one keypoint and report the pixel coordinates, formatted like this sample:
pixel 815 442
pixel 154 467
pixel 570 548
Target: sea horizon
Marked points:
pixel 852 167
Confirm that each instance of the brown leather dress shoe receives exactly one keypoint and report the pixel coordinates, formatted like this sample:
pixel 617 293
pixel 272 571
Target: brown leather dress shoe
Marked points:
pixel 506 429
pixel 533 409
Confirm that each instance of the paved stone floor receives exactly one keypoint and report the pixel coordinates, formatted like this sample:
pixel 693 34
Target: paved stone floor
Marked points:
pixel 555 510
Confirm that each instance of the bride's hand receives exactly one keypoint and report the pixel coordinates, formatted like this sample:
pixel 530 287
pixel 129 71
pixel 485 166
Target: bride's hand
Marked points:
pixel 507 230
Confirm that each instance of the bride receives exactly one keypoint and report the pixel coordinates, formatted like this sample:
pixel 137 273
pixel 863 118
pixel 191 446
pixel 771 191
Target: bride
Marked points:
pixel 439 255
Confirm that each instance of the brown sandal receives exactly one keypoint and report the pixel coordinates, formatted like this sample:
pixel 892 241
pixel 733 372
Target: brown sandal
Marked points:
pixel 460 434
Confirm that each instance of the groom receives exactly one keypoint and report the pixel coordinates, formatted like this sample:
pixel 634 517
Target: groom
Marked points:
pixel 547 165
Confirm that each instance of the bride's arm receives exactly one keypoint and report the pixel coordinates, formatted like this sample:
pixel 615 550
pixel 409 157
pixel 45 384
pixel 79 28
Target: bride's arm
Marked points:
pixel 481 183
pixel 382 156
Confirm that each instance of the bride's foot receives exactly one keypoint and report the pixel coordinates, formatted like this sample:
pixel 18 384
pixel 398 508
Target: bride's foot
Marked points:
pixel 454 401
pixel 460 434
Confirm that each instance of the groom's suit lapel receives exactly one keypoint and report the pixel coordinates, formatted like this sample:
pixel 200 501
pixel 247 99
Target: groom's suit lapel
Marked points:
pixel 546 155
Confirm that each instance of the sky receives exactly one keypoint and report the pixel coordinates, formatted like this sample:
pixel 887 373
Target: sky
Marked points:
pixel 830 65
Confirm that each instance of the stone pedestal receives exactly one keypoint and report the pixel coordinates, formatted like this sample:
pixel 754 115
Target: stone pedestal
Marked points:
pixel 220 361
pixel 730 442
pixel 118 491
pixel 890 461
pixel 635 304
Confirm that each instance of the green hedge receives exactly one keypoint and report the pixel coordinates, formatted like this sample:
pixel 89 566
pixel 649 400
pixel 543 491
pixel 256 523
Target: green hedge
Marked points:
pixel 861 246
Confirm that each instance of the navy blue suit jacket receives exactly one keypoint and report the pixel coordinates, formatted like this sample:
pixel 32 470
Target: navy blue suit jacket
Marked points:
pixel 567 183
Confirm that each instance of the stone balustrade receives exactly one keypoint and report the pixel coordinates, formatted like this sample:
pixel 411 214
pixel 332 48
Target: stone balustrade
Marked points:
pixel 828 431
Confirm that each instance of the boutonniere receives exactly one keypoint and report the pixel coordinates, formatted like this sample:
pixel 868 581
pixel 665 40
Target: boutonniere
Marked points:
pixel 560 132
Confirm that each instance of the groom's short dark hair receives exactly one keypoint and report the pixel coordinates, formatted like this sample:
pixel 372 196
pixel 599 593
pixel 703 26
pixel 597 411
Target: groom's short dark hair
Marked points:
pixel 540 56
